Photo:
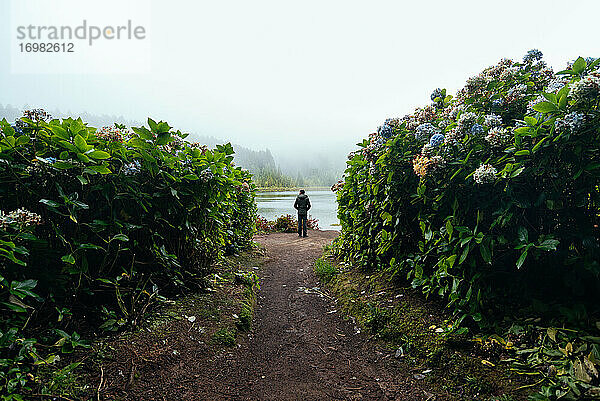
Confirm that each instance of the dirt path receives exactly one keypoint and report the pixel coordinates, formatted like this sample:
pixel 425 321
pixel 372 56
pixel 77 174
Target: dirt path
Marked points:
pixel 300 349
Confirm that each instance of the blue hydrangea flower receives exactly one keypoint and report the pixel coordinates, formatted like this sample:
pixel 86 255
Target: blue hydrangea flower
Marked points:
pixel 477 129
pixel 18 129
pixel 571 122
pixel 466 121
pixel 132 168
pixel 436 140
pixel 497 103
pixel 425 131
pixel 533 55
pixel 436 93
pixel 386 131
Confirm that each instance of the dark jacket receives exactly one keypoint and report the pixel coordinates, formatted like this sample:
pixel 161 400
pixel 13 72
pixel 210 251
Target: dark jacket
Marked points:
pixel 302 204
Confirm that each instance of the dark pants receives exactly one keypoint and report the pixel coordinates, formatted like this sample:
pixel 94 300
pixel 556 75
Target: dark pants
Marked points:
pixel 302 224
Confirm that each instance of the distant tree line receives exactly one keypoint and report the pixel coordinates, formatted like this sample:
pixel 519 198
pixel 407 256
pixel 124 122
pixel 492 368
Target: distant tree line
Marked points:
pixel 267 174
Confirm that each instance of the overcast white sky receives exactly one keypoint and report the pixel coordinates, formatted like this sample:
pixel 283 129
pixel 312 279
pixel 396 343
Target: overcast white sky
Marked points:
pixel 320 74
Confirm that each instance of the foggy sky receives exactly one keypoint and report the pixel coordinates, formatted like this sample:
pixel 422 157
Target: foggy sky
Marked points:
pixel 306 76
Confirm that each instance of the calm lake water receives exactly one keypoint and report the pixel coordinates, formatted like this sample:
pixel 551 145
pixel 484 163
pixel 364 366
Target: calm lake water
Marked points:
pixel 324 206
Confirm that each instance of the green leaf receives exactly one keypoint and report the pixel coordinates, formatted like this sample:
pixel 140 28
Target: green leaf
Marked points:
pixel 50 203
pixel 162 127
pixel 152 124
pixel 82 179
pixel 98 154
pixel 523 152
pixel 537 145
pixel 486 254
pixel 548 245
pixel 60 132
pixel 579 65
pixel 545 107
pixel 517 172
pixel 532 121
pixel 90 246
pixel 163 138
pixel 523 235
pixel 120 237
pixel 80 143
pixel 449 228
pixel 386 216
pixel 83 157
pixel 68 259
pixel 463 256
pixel 562 103
pixel 139 143
pixel 523 130
pixel 69 146
pixel 521 259
pixel 22 140
pixel 551 97
pixel 15 308
pixel 143 133
pixel 102 169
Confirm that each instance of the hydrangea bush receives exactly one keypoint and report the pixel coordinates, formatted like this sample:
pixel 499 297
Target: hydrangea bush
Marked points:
pixel 98 225
pixel 486 198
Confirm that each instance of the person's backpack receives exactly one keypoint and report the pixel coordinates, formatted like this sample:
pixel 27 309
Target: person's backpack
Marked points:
pixel 302 203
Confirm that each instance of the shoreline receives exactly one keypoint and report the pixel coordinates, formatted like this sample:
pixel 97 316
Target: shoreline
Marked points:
pixel 292 189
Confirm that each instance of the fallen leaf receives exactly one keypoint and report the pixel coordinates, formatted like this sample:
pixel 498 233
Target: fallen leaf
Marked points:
pixel 552 333
pixel 580 373
pixel 590 367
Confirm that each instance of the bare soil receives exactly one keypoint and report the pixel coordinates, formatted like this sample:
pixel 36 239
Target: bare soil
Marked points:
pixel 300 347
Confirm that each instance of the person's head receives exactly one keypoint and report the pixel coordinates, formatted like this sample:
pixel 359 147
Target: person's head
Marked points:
pixel 301 191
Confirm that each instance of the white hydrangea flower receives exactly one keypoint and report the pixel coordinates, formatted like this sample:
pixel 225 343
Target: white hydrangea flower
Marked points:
pixel 492 120
pixel 466 121
pixel 485 174
pixel 498 137
pixel 586 89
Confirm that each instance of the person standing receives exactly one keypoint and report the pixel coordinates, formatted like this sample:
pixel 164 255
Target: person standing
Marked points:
pixel 302 205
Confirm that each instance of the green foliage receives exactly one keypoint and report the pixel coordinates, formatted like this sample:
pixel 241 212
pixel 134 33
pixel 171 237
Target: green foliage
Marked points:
pixel 225 337
pixel 376 318
pixel 244 322
pixel 325 270
pixel 105 224
pixel 272 177
pixel 284 224
pixel 487 199
pixel 463 218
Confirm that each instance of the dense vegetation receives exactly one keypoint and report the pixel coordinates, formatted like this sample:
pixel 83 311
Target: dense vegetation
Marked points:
pixel 13 113
pixel 490 200
pixel 283 224
pixel 99 225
